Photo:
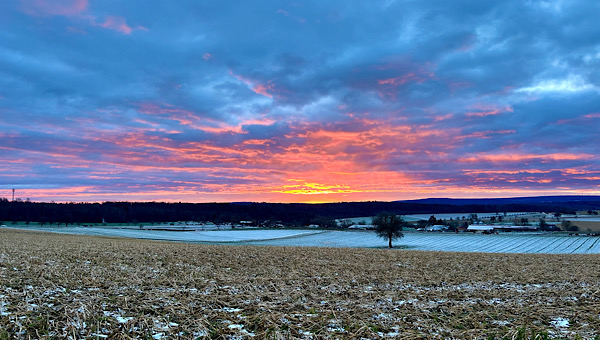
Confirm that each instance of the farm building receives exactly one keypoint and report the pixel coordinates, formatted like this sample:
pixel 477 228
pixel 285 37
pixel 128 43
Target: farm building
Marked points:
pixel 481 228
pixel 516 228
pixel 362 226
pixel 437 227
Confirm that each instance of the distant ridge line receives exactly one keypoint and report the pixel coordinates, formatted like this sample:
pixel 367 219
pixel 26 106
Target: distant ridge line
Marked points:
pixel 508 200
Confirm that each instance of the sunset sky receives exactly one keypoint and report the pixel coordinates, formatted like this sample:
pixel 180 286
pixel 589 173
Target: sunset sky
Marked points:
pixel 307 101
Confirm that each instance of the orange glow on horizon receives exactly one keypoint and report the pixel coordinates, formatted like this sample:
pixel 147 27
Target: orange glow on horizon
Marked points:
pixel 88 194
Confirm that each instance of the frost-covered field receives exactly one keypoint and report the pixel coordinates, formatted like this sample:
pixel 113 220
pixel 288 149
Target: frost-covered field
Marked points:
pixel 501 243
pixel 462 242
pixel 79 287
pixel 211 236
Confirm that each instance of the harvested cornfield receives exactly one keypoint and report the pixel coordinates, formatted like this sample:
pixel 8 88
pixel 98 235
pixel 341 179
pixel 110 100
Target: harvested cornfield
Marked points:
pixel 70 286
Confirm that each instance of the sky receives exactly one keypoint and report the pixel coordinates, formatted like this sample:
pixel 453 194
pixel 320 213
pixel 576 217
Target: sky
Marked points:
pixel 298 101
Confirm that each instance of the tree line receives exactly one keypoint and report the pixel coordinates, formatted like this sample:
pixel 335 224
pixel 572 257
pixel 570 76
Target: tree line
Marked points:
pixel 293 214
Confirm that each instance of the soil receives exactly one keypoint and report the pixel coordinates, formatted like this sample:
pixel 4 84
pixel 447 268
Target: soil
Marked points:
pixel 71 286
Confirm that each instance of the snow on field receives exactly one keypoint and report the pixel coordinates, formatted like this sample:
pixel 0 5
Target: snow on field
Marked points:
pixel 463 242
pixel 216 236
pixel 580 218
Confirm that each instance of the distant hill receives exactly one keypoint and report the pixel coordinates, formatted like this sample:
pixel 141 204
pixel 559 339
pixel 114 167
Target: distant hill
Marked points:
pixel 512 200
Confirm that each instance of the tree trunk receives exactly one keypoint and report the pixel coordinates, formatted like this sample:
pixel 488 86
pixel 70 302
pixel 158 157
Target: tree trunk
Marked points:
pixel 390 241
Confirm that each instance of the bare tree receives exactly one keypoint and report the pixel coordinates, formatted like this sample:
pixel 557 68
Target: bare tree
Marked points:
pixel 389 226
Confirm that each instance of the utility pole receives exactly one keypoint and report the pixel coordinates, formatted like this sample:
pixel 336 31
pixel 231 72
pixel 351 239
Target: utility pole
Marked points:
pixel 13 195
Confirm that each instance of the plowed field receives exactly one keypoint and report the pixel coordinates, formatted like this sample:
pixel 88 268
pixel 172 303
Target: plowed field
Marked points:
pixel 73 286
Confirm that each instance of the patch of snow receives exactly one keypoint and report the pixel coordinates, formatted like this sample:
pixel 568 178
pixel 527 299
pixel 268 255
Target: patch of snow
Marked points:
pixel 235 326
pixel 200 334
pixel 232 310
pixel 336 329
pixel 500 322
pixel 305 333
pixel 160 326
pixel 121 319
pixel 118 317
pixel 560 322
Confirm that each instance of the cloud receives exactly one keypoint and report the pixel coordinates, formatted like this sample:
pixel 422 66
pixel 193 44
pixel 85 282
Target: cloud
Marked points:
pixel 77 9
pixel 298 102
pixel 572 83
pixel 54 7
pixel 118 24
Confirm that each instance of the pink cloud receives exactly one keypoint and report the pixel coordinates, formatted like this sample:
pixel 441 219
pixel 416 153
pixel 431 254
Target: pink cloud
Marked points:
pixel 525 157
pixel 116 23
pixel 76 8
pixel 402 73
pixel 263 89
pixel 207 56
pixel 398 80
pixel 54 7
pixel 268 89
pixel 579 120
pixel 189 118
pixel 442 118
pixel 488 110
pixel 486 134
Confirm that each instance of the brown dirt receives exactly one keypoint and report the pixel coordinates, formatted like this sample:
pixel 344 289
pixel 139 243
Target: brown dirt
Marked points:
pixel 69 286
pixel 586 226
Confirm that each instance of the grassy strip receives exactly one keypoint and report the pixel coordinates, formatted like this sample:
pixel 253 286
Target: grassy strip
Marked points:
pixel 70 286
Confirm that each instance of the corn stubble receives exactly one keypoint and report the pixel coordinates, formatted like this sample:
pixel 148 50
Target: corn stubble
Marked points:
pixel 68 286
